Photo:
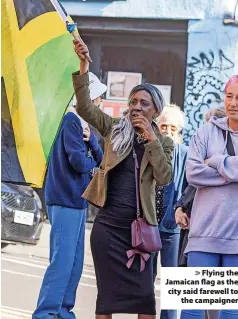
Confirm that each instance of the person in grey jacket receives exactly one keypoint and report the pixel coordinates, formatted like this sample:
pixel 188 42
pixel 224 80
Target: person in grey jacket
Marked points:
pixel 212 169
pixel 183 210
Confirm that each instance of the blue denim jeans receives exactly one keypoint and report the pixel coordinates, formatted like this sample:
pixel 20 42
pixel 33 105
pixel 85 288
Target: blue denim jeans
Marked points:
pixel 201 259
pixel 58 290
pixel 168 258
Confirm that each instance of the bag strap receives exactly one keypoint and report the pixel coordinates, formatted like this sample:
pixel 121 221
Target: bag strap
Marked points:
pixel 229 144
pixel 137 184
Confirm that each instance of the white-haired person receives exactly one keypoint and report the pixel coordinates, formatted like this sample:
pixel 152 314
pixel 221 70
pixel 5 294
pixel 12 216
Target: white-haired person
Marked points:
pixel 124 287
pixel 171 123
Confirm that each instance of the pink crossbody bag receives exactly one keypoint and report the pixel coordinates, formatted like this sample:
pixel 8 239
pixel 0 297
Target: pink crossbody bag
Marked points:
pixel 145 237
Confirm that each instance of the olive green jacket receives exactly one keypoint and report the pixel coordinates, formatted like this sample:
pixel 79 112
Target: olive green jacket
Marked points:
pixel 156 164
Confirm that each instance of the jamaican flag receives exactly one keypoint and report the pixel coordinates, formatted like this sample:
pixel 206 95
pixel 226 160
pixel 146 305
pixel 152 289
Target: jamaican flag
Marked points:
pixel 37 62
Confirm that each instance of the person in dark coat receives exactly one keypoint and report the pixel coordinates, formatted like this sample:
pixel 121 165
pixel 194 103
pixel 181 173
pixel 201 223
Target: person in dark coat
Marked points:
pixel 74 154
pixel 171 123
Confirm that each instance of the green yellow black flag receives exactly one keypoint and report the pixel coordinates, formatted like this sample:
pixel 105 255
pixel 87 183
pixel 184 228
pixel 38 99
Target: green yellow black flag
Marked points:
pixel 37 62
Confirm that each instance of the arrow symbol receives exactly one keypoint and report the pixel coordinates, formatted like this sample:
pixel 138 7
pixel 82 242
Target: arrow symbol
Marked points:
pixel 197 273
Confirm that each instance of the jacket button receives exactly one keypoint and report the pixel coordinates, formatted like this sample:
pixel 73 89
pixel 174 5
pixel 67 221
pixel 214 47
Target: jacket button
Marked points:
pixel 141 181
pixel 150 152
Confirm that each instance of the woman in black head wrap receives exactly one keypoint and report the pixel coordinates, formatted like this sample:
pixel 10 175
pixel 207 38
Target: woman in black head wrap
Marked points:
pixel 123 287
pixel 150 106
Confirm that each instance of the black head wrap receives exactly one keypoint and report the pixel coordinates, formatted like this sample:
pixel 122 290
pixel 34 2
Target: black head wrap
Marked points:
pixel 155 93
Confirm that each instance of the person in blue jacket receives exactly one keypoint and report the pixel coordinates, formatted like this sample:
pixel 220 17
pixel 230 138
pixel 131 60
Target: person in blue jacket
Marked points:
pixel 171 123
pixel 75 153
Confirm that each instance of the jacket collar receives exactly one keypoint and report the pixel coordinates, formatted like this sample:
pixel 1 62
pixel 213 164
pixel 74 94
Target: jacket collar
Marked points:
pixel 117 159
pixel 145 161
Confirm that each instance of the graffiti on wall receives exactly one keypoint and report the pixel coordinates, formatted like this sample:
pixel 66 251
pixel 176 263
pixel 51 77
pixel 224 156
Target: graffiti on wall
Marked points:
pixel 206 76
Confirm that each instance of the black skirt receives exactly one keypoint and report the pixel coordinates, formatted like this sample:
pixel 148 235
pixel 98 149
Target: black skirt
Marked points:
pixel 120 290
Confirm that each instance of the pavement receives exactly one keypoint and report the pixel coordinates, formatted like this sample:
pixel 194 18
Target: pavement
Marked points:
pixel 22 271
pixel 41 250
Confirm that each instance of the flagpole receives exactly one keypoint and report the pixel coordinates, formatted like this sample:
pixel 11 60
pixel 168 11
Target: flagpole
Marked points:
pixel 63 16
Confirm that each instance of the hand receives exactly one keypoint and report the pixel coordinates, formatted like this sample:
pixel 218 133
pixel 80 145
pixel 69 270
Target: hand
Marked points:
pixel 206 161
pixel 81 49
pixel 144 126
pixel 181 218
pixel 86 134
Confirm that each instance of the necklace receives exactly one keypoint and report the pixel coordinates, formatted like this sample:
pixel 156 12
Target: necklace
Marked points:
pixel 140 138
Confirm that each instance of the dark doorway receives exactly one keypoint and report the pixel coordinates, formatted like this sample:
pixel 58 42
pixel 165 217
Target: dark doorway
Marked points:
pixel 155 48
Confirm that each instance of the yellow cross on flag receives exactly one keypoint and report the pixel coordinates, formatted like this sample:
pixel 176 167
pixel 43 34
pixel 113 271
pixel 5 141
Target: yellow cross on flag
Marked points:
pixel 37 62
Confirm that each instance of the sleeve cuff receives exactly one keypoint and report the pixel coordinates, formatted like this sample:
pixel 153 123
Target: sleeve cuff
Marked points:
pixel 153 146
pixel 215 159
pixel 79 79
pixel 92 141
pixel 177 205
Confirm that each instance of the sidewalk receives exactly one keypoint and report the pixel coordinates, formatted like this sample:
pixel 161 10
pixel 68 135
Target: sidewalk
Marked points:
pixel 7 313
pixel 41 250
